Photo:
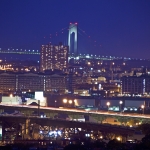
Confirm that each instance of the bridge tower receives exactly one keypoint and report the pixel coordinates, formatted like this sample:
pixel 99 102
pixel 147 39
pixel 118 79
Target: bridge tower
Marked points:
pixel 73 38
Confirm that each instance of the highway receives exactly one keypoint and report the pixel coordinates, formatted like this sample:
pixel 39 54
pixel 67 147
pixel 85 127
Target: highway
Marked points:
pixel 77 111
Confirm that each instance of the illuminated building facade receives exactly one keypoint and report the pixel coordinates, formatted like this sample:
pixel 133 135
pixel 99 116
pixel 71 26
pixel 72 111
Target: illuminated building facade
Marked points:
pixel 30 82
pixel 133 85
pixel 19 65
pixel 55 83
pixel 53 57
pixel 7 82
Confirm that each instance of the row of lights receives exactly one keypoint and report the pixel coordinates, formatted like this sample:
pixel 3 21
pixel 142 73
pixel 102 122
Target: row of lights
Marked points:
pixel 65 101
pixel 108 104
pixel 69 101
pixel 101 137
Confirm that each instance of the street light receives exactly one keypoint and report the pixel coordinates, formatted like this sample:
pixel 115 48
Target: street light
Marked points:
pixel 108 104
pixel 64 101
pixel 70 102
pixel 55 102
pixel 75 102
pixel 120 105
pixel 106 93
pixel 142 106
pixel 38 107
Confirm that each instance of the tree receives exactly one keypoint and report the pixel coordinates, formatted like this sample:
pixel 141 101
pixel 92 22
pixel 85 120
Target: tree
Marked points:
pixel 122 119
pixel 100 118
pixel 51 114
pixel 140 120
pixel 75 147
pixel 99 144
pixel 146 141
pixel 74 116
pixel 114 145
pixel 145 128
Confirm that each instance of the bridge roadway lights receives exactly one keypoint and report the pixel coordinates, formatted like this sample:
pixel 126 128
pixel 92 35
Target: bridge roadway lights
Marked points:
pixel 51 112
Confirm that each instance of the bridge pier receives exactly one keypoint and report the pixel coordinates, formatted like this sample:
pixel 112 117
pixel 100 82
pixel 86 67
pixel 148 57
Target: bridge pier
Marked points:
pixel 27 124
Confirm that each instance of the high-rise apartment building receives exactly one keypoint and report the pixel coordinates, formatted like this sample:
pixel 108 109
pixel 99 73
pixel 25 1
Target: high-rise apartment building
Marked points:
pixel 53 57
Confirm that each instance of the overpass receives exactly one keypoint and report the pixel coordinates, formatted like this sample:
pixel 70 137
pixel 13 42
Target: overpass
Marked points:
pixel 19 125
pixel 74 113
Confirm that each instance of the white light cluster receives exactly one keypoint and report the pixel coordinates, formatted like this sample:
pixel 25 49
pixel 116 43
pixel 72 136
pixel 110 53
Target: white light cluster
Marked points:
pixel 87 135
pixel 55 133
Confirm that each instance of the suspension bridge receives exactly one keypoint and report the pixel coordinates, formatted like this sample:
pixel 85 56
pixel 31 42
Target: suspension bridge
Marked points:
pixel 76 38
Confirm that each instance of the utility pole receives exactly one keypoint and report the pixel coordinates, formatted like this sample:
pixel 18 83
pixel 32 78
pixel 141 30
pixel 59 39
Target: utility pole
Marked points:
pixel 38 107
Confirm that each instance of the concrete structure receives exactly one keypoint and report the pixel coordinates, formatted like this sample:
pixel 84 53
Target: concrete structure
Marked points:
pixel 73 38
pixel 84 102
pixel 38 99
pixel 11 100
pixel 42 103
pixel 53 57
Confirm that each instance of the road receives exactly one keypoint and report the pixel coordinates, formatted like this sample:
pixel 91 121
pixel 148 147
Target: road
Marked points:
pixel 79 111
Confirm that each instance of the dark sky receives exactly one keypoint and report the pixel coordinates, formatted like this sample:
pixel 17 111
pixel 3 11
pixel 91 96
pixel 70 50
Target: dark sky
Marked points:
pixel 119 27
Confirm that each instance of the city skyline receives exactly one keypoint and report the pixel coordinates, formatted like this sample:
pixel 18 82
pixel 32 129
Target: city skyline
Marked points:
pixel 120 28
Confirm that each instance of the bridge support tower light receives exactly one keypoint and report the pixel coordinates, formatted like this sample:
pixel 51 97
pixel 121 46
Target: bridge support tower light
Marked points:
pixel 73 39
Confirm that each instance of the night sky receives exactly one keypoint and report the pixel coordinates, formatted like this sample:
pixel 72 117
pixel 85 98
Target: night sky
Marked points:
pixel 115 27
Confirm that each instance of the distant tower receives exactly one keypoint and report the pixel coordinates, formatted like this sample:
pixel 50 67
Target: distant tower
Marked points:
pixel 72 38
